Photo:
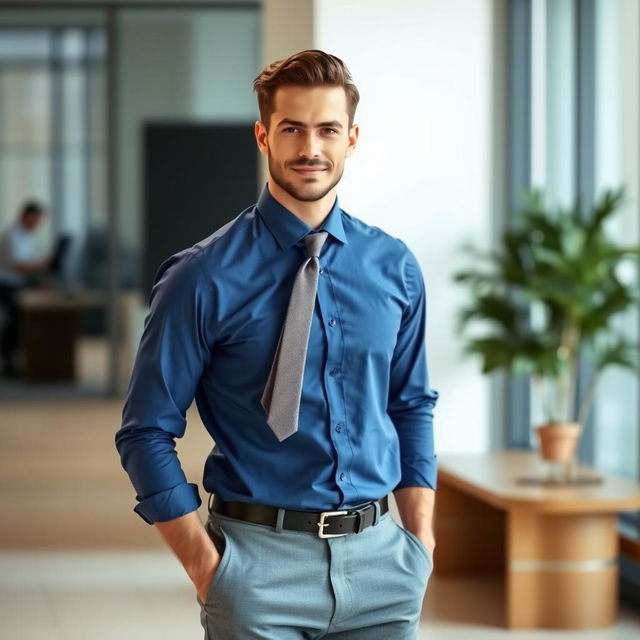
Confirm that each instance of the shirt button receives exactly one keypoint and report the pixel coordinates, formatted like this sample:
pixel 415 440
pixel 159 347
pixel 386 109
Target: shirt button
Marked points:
pixel 339 427
pixel 332 322
pixel 334 372
pixel 321 270
pixel 342 476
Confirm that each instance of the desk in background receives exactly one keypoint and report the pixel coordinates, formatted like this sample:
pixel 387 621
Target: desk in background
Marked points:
pixel 50 329
pixel 557 547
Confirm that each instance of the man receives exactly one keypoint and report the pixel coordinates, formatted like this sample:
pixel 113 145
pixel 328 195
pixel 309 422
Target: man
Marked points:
pixel 299 329
pixel 21 264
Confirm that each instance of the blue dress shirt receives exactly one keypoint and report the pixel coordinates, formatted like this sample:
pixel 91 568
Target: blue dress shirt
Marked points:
pixel 216 310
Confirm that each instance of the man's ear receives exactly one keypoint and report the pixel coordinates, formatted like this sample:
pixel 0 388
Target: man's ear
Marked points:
pixel 354 132
pixel 261 137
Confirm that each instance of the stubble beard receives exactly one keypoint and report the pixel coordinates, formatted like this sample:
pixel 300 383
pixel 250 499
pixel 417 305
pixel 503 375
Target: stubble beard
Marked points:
pixel 309 193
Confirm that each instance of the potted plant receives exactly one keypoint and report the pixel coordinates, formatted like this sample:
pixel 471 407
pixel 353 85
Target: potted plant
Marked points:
pixel 548 293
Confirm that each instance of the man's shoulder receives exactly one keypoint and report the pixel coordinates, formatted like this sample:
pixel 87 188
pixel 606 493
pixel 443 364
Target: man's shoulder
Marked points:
pixel 210 249
pixel 374 236
pixel 214 246
pixel 236 230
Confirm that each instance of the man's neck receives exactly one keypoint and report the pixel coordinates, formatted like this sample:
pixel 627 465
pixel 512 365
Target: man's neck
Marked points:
pixel 313 213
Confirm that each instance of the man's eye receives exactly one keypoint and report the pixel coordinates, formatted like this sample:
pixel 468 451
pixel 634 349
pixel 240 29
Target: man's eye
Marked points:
pixel 290 129
pixel 331 131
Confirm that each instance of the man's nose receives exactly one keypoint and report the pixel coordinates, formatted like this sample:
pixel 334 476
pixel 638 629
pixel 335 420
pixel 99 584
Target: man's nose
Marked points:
pixel 309 147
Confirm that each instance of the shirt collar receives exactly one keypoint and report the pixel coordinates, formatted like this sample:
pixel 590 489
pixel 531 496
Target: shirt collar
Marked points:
pixel 288 229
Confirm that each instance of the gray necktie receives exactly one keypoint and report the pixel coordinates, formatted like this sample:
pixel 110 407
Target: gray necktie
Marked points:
pixel 281 397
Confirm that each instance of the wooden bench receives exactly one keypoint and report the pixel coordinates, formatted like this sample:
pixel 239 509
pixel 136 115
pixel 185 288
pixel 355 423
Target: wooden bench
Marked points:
pixel 557 547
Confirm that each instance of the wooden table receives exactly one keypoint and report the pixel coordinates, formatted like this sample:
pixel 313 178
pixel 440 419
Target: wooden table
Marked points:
pixel 50 328
pixel 557 547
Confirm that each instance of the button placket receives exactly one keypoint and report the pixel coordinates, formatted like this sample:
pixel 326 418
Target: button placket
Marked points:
pixel 333 380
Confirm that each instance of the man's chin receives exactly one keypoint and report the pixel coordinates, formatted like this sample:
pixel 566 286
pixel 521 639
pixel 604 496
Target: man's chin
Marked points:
pixel 309 193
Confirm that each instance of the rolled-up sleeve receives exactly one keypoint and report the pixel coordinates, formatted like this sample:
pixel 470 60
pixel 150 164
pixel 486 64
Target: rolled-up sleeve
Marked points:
pixel 174 350
pixel 411 400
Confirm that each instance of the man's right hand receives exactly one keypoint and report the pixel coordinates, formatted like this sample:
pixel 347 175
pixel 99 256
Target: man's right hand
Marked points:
pixel 203 582
pixel 192 545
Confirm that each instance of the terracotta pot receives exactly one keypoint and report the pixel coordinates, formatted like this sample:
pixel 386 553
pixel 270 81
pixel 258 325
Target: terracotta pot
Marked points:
pixel 558 440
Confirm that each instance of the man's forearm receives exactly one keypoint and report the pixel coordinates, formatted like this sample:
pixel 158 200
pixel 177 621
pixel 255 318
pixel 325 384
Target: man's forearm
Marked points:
pixel 192 545
pixel 416 505
pixel 33 266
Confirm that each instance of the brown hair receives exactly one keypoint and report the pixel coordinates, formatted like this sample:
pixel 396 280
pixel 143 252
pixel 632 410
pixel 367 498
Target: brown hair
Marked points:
pixel 30 207
pixel 310 68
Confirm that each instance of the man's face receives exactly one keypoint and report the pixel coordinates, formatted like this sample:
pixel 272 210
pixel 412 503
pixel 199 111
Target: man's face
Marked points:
pixel 308 140
pixel 31 220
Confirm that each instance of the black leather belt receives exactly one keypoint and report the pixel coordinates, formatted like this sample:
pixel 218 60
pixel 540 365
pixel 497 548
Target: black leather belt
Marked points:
pixel 326 524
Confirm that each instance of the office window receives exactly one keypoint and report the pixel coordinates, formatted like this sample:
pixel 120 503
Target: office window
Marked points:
pixel 52 128
pixel 617 162
pixel 579 107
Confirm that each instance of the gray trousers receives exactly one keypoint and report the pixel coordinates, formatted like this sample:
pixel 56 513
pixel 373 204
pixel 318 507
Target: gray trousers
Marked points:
pixel 294 585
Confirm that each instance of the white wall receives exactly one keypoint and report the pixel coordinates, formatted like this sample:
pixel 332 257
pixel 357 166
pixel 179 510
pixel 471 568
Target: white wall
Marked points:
pixel 423 168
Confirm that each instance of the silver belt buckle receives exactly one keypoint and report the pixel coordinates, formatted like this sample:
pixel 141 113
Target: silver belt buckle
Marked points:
pixel 322 524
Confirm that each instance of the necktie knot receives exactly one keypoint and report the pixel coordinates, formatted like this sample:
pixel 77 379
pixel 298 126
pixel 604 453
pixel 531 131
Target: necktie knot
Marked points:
pixel 314 241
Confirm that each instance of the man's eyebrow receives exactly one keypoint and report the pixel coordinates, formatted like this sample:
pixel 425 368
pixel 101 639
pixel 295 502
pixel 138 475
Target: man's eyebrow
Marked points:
pixel 296 123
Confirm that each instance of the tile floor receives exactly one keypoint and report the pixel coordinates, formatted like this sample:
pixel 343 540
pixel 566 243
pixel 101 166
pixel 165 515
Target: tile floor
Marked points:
pixel 140 596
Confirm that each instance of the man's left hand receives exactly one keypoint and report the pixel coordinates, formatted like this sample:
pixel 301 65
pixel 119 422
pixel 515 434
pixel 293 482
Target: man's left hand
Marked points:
pixel 427 540
pixel 415 505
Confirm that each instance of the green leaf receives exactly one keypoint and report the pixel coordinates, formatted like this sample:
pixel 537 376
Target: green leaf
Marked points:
pixel 563 260
pixel 615 350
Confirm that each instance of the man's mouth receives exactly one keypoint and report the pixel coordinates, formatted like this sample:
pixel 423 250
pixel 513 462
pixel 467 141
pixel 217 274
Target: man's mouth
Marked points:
pixel 309 170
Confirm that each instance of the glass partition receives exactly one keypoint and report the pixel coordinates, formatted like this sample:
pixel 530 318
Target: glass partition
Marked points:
pixel 82 95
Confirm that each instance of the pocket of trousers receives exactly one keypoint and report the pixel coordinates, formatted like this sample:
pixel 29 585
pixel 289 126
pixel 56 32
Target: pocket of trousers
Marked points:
pixel 417 542
pixel 223 544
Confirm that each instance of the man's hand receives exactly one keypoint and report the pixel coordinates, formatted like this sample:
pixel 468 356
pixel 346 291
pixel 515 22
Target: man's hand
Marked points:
pixel 33 266
pixel 415 505
pixel 192 545
pixel 203 582
pixel 428 540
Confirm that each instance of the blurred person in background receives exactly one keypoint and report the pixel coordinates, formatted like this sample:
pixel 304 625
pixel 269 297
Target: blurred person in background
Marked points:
pixel 23 263
pixel 315 419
